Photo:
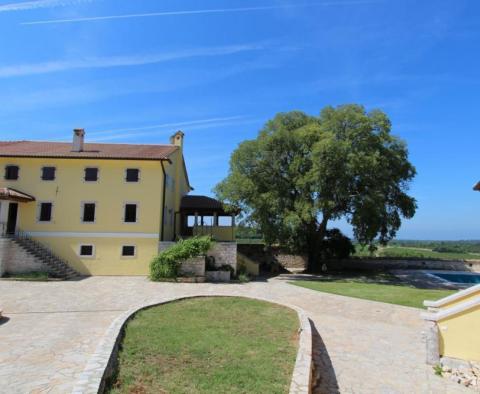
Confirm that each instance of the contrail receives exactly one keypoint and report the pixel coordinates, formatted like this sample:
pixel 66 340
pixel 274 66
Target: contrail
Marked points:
pixel 199 12
pixel 32 5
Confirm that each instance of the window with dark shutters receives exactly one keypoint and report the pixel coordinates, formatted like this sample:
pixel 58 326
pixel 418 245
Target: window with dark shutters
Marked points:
pixel 86 250
pixel 45 212
pixel 130 213
pixel 88 212
pixel 132 174
pixel 11 173
pixel 48 173
pixel 128 251
pixel 91 174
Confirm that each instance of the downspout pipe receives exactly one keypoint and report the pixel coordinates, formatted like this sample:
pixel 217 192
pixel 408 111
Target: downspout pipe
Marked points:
pixel 163 199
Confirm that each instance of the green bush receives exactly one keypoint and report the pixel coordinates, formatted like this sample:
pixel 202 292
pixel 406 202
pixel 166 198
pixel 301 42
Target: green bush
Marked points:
pixel 167 263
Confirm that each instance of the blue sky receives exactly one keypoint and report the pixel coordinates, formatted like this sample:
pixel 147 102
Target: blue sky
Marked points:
pixel 137 70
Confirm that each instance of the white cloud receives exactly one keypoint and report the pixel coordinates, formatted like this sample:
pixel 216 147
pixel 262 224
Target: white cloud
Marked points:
pixel 121 61
pixel 200 12
pixel 32 5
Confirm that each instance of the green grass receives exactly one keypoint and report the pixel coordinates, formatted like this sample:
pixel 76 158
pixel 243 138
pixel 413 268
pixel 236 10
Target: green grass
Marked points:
pixel 208 345
pixel 415 253
pixel 29 276
pixel 389 293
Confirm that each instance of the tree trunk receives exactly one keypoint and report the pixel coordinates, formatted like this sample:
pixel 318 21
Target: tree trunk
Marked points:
pixel 314 240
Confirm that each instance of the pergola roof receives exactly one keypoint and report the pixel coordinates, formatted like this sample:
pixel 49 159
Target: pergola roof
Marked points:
pixel 7 193
pixel 205 205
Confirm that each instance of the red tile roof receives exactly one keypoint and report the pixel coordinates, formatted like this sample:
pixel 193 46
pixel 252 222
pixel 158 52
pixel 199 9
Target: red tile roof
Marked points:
pixel 91 151
pixel 7 193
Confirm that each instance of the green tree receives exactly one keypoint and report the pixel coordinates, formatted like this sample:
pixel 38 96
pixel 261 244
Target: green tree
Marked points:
pixel 303 172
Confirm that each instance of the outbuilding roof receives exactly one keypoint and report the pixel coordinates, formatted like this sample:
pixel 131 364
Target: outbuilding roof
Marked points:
pixel 204 204
pixel 91 151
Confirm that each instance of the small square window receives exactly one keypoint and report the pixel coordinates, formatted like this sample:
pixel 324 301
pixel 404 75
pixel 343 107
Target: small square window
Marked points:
pixel 128 251
pixel 48 173
pixel 86 250
pixel 11 173
pixel 132 175
pixel 88 212
pixel 91 174
pixel 130 213
pixel 45 212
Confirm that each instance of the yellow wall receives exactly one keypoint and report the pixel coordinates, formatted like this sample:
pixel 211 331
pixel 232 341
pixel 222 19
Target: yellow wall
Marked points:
pixel 110 193
pixel 460 300
pixel 460 335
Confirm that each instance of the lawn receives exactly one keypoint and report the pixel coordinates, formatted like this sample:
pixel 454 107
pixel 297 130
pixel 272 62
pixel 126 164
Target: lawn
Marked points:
pixel 208 345
pixel 403 252
pixel 389 293
pixel 29 276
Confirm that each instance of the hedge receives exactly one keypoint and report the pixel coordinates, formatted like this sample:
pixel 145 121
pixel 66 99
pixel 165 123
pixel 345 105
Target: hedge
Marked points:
pixel 167 263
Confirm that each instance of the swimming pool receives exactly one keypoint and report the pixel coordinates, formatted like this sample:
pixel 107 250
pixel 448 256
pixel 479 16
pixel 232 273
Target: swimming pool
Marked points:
pixel 458 277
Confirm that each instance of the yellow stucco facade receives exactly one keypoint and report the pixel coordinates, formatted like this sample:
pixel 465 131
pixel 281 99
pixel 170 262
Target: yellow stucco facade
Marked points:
pixel 457 320
pixel 65 232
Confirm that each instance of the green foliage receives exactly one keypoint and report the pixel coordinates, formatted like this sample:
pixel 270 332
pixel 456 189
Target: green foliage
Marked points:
pixel 208 345
pixel 398 294
pixel 166 264
pixel 336 245
pixel 243 278
pixel 302 172
pixel 438 370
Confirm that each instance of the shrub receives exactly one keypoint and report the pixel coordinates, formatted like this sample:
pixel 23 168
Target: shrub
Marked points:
pixel 167 263
pixel 243 278
pixel 336 245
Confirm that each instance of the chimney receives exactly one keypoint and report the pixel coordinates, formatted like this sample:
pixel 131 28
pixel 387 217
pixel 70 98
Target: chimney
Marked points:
pixel 177 139
pixel 78 136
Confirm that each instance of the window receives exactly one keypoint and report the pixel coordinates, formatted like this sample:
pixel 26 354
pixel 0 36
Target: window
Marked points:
pixel 11 173
pixel 88 214
pixel 86 250
pixel 132 175
pixel 91 174
pixel 45 214
pixel 128 251
pixel 130 213
pixel 48 173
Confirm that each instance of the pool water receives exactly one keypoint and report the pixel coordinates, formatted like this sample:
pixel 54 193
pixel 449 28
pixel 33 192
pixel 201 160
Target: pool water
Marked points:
pixel 459 278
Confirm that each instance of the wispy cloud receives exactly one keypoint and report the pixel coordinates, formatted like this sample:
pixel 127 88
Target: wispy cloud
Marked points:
pixel 122 61
pixel 32 5
pixel 202 12
pixel 151 130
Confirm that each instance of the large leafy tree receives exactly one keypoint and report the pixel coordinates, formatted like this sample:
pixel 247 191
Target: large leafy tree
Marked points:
pixel 302 172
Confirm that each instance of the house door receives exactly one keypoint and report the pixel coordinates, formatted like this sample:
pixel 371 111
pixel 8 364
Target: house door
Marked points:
pixel 12 217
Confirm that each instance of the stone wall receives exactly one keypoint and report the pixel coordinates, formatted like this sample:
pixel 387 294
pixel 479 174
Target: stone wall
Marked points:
pixel 223 252
pixel 268 257
pixel 16 260
pixel 193 267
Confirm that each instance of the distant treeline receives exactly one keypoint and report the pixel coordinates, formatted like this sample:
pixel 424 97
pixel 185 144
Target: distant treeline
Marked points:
pixel 472 246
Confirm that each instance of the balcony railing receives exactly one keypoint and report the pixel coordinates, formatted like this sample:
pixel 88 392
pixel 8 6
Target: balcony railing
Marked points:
pixel 219 233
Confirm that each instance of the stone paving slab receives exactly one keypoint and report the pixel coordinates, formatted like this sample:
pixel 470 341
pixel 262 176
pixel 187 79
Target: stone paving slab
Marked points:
pixel 53 328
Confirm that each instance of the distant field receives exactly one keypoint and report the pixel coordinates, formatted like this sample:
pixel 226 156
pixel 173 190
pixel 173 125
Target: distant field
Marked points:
pixel 418 253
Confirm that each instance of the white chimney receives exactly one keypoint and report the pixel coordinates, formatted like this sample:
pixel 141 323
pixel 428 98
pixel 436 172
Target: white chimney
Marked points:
pixel 78 136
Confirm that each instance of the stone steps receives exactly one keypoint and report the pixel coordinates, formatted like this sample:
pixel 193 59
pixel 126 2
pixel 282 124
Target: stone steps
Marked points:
pixel 55 266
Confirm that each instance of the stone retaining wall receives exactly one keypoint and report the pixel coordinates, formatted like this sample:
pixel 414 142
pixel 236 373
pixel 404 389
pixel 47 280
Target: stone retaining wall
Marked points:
pixel 268 256
pixel 16 260
pixel 225 253
pixel 193 267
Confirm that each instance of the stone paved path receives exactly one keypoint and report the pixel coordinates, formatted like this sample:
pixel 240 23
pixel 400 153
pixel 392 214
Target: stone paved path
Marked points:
pixel 52 328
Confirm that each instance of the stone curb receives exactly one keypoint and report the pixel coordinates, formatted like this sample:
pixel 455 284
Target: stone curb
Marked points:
pixel 101 364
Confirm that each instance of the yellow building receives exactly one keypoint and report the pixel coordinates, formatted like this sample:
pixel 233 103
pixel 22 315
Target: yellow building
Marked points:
pixel 102 208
